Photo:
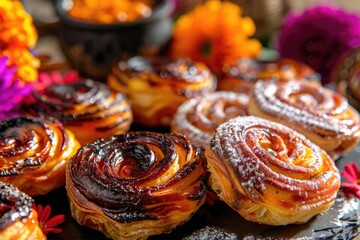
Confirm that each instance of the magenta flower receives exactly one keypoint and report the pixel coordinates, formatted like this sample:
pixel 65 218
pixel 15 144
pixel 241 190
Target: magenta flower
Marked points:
pixel 11 92
pixel 352 174
pixel 319 37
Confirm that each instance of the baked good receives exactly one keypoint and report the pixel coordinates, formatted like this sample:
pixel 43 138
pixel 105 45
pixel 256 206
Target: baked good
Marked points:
pixel 346 75
pixel 34 153
pixel 269 173
pixel 198 118
pixel 90 109
pixel 136 185
pixel 242 76
pixel 17 219
pixel 322 115
pixel 156 87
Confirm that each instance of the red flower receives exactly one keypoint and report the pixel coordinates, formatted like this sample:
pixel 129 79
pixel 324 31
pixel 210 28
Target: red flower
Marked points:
pixel 48 225
pixel 352 174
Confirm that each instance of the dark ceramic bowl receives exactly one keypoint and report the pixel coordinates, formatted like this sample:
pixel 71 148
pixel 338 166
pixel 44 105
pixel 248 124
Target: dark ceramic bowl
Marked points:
pixel 92 48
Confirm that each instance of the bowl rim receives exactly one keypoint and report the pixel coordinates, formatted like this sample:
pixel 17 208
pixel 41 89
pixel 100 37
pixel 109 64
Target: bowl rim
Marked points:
pixel 163 9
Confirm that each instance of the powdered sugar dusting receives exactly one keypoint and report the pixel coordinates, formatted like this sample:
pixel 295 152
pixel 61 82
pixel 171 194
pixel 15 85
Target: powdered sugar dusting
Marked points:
pixel 231 144
pixel 273 99
pixel 198 118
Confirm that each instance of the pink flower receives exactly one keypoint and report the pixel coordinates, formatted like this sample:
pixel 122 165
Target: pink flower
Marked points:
pixel 352 174
pixel 319 36
pixel 48 225
pixel 46 79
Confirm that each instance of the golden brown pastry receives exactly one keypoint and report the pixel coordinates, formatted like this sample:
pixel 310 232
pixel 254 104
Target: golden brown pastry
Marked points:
pixel 242 76
pixel 34 153
pixel 198 118
pixel 157 87
pixel 269 173
pixel 322 115
pixel 135 185
pixel 90 109
pixel 18 221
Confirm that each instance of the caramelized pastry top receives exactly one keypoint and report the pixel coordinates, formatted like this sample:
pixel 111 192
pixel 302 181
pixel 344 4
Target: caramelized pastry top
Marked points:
pixel 139 176
pixel 182 76
pixel 29 142
pixel 285 69
pixel 76 103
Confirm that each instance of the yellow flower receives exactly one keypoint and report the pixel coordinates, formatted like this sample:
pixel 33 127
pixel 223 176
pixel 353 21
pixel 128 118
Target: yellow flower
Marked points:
pixel 27 64
pixel 16 26
pixel 17 36
pixel 216 34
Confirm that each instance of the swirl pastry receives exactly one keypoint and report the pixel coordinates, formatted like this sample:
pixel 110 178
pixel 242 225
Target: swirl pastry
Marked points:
pixel 34 153
pixel 136 185
pixel 17 219
pixel 242 76
pixel 198 118
pixel 269 173
pixel 90 109
pixel 157 87
pixel 322 115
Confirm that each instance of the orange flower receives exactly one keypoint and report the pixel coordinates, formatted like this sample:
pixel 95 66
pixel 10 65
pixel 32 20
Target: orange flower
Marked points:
pixel 26 63
pixel 216 34
pixel 16 26
pixel 17 35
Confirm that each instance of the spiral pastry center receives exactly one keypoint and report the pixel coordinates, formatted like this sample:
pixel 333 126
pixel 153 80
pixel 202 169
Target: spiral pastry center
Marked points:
pixel 129 174
pixel 24 142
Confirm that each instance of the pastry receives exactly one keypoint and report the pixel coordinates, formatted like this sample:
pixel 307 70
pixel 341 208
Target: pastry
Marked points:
pixel 136 185
pixel 90 109
pixel 198 118
pixel 157 87
pixel 17 219
pixel 34 153
pixel 242 76
pixel 346 75
pixel 322 115
pixel 269 173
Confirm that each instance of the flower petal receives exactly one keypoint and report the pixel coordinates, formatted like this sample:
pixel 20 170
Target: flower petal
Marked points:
pixel 54 221
pixel 45 214
pixel 39 209
pixel 52 230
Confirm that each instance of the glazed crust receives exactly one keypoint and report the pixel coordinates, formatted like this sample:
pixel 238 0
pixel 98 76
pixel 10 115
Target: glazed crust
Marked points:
pixel 157 87
pixel 243 75
pixel 34 153
pixel 322 115
pixel 90 109
pixel 269 173
pixel 18 220
pixel 136 185
pixel 198 118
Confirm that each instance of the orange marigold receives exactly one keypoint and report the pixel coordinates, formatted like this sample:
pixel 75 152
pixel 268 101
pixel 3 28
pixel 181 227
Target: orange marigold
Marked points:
pixel 27 64
pixel 17 36
pixel 16 26
pixel 216 34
